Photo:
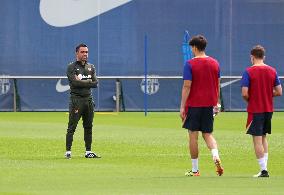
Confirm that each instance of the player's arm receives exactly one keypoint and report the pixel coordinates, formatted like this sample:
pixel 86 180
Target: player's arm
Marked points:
pixel 184 95
pixel 187 79
pixel 74 80
pixel 219 91
pixel 245 86
pixel 277 90
pixel 245 94
pixel 217 108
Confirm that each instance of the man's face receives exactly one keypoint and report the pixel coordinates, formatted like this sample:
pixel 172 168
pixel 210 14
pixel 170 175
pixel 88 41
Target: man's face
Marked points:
pixel 82 54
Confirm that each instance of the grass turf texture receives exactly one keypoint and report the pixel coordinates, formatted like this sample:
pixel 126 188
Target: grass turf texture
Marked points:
pixel 140 155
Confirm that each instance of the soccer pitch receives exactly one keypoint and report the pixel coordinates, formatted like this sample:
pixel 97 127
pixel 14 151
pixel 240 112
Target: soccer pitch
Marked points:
pixel 140 155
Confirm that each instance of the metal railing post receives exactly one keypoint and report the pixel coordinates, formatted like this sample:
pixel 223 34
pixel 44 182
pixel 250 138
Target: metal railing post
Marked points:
pixel 118 92
pixel 15 96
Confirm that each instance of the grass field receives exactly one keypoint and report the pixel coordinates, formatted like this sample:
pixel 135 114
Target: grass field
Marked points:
pixel 140 155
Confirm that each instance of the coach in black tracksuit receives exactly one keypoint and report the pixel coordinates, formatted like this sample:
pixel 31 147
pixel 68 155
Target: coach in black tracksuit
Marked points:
pixel 82 77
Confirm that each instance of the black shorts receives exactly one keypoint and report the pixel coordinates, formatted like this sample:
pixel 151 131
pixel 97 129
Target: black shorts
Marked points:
pixel 199 119
pixel 259 124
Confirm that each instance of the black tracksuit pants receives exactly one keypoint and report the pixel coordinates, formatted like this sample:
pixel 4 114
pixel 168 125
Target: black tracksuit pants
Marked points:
pixel 80 107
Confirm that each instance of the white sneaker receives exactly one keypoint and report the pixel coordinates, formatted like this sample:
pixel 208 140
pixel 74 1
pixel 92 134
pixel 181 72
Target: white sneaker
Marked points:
pixel 92 155
pixel 262 173
pixel 68 155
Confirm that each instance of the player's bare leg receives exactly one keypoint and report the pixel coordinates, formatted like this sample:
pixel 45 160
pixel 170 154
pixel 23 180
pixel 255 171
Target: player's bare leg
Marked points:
pixel 259 153
pixel 212 145
pixel 258 146
pixel 193 144
pixel 193 150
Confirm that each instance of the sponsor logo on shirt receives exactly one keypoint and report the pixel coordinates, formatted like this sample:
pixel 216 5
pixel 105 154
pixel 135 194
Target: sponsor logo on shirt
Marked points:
pixel 83 77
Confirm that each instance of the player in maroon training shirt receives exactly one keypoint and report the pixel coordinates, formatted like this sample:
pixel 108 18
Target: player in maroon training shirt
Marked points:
pixel 260 84
pixel 200 94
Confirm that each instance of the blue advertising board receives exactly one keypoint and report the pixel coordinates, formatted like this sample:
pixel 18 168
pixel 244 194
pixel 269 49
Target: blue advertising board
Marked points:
pixel 38 37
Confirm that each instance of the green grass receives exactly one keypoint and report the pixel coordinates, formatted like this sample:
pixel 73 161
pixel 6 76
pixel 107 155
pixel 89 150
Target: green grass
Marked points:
pixel 140 155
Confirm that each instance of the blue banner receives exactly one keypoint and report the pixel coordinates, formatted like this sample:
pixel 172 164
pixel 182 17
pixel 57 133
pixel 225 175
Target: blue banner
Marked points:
pixel 186 50
pixel 38 37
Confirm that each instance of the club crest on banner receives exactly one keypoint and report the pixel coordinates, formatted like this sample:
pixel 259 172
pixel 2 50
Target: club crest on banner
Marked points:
pixel 5 86
pixel 152 85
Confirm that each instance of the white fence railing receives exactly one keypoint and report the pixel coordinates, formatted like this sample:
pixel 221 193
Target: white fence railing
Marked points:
pixel 101 77
pixel 110 77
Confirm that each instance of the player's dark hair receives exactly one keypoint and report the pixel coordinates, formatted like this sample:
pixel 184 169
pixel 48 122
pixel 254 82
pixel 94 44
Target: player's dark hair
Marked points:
pixel 258 52
pixel 199 42
pixel 80 45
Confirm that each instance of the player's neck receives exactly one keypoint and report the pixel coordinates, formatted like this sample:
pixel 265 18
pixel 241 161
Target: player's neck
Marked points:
pixel 200 54
pixel 258 63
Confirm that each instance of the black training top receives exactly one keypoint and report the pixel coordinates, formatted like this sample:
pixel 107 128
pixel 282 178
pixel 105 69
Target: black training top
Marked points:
pixel 87 79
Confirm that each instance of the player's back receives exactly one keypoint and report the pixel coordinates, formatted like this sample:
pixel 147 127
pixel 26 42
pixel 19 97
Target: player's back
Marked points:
pixel 262 81
pixel 205 82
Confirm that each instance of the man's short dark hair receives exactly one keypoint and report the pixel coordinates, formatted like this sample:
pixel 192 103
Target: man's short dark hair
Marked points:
pixel 258 52
pixel 80 45
pixel 199 42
